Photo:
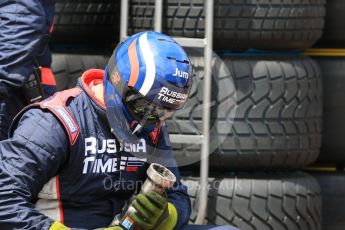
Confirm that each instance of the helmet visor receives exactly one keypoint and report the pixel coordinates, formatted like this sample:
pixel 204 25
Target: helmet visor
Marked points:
pixel 144 111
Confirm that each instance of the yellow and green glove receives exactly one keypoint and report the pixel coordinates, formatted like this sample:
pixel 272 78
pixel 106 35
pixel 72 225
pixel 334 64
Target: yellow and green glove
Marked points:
pixel 153 212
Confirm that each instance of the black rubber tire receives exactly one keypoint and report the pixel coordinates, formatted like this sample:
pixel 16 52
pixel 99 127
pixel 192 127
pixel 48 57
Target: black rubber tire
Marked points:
pixel 279 110
pixel 86 21
pixel 333 200
pixel 238 24
pixel 67 68
pixel 278 118
pixel 333 144
pixel 334 32
pixel 261 201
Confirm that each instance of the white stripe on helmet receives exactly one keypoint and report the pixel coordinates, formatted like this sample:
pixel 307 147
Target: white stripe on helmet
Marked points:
pixel 150 64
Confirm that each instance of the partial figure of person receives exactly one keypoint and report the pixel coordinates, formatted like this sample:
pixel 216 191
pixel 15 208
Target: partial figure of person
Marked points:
pixel 75 159
pixel 25 59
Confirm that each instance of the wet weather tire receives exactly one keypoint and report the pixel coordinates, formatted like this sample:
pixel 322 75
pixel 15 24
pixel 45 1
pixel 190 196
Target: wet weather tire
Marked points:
pixel 267 111
pixel 277 119
pixel 238 24
pixel 261 201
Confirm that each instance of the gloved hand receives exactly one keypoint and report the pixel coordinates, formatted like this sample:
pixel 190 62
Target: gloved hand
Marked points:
pixel 149 209
pixel 170 221
pixel 58 226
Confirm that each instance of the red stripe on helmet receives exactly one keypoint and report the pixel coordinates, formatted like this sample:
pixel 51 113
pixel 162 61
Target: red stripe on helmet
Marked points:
pixel 133 60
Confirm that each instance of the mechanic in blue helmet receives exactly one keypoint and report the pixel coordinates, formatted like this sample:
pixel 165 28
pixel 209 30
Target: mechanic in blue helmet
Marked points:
pixel 75 159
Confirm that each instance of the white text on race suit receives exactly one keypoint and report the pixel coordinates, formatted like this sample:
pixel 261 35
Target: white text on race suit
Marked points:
pixel 92 164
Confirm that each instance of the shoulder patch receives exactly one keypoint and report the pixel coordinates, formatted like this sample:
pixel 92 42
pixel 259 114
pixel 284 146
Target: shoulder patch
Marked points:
pixel 57 105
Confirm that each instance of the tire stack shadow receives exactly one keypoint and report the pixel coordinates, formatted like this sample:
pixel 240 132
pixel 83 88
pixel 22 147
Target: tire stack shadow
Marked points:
pixel 329 53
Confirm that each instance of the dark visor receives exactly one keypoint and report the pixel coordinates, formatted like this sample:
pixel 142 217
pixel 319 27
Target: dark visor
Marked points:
pixel 145 111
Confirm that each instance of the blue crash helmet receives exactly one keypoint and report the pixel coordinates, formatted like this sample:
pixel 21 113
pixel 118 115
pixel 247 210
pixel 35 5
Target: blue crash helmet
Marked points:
pixel 148 78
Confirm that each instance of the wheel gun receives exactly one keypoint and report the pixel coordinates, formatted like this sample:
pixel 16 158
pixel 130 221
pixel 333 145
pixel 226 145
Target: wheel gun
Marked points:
pixel 159 179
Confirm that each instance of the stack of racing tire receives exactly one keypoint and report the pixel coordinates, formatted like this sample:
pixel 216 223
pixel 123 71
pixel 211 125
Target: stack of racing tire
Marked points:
pixel 266 108
pixel 266 100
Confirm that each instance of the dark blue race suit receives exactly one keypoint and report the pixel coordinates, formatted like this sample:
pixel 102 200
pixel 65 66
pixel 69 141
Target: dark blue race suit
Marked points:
pixel 79 174
pixel 24 33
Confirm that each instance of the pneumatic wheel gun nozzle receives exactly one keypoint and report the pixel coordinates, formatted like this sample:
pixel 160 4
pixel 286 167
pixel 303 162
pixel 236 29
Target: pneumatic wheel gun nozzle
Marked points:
pixel 159 179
